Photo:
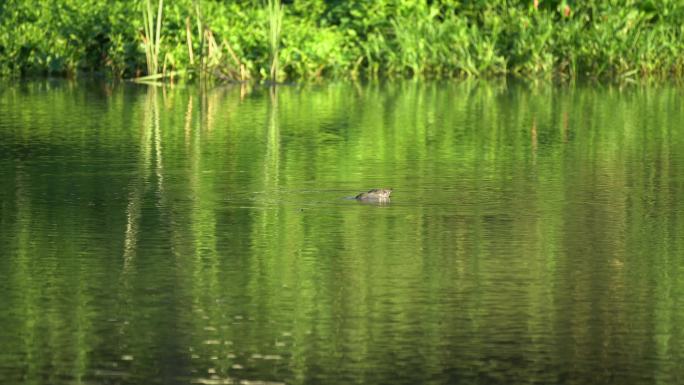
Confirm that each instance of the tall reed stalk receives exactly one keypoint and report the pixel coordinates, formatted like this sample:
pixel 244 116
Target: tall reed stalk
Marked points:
pixel 200 34
pixel 152 35
pixel 275 18
pixel 188 37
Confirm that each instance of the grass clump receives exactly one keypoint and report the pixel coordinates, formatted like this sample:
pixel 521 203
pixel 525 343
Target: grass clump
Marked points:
pixel 275 22
pixel 152 35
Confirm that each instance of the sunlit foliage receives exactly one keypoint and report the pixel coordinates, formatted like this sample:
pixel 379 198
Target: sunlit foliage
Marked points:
pixel 622 39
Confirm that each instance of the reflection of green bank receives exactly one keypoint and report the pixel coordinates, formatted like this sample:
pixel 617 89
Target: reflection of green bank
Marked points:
pixel 164 230
pixel 622 40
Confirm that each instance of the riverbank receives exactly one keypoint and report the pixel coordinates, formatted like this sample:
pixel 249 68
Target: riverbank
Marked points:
pixel 309 39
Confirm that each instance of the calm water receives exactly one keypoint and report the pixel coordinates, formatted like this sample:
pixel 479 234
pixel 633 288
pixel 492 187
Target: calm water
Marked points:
pixel 201 236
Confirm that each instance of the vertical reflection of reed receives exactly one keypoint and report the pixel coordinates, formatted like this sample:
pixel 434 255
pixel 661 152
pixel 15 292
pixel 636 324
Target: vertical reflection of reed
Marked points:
pixel 271 165
pixel 533 138
pixel 29 307
pixel 266 230
pixel 136 195
pixel 159 166
pixel 203 215
pixel 188 121
pixel 139 187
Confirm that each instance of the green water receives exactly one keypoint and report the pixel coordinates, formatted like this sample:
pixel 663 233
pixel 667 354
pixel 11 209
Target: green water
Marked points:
pixel 184 235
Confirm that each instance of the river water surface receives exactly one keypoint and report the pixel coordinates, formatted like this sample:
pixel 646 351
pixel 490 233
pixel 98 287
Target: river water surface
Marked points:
pixel 189 235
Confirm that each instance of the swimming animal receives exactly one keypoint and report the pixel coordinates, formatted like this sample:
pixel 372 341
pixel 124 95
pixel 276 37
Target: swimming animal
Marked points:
pixel 376 194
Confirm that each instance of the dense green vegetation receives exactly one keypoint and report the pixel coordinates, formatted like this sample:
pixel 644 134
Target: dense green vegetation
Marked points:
pixel 303 39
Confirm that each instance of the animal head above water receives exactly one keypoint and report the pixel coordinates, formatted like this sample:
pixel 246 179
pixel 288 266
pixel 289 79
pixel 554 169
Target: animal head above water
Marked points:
pixel 375 194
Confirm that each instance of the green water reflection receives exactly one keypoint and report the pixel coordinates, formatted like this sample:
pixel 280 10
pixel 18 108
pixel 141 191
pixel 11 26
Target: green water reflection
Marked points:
pixel 184 235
